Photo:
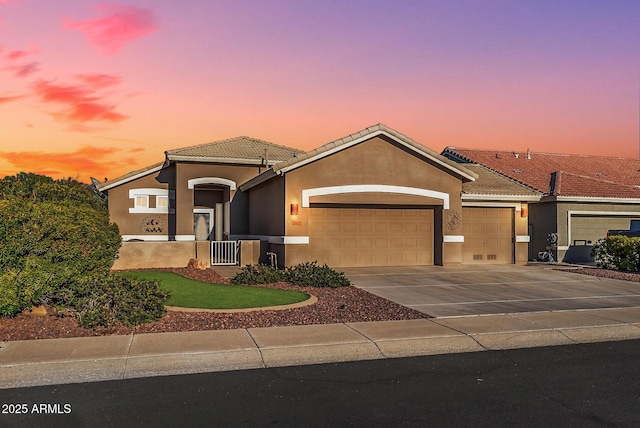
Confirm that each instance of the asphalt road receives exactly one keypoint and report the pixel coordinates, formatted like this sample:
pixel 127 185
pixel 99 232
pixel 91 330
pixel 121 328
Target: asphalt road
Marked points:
pixel 578 385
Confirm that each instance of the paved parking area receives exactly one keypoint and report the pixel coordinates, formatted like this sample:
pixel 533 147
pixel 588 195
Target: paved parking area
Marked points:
pixel 478 290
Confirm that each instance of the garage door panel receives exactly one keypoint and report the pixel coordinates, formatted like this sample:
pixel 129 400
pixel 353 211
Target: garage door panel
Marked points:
pixel 592 228
pixel 488 235
pixel 384 237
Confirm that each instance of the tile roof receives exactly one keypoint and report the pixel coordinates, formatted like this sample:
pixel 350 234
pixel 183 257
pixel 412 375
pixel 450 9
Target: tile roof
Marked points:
pixel 558 174
pixel 130 175
pixel 567 184
pixel 491 183
pixel 303 158
pixel 234 149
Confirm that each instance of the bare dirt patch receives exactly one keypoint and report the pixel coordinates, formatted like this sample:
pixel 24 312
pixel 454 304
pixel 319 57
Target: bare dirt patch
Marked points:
pixel 334 305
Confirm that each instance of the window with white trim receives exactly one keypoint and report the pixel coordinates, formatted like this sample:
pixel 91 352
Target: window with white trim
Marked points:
pixel 142 199
pixel 162 202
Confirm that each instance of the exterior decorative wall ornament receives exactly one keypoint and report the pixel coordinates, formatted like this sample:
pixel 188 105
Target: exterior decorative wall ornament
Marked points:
pixel 453 220
pixel 153 224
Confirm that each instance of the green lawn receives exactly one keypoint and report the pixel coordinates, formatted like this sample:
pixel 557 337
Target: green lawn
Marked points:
pixel 187 293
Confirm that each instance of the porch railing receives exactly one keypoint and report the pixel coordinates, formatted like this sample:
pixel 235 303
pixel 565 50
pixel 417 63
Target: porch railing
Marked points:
pixel 224 253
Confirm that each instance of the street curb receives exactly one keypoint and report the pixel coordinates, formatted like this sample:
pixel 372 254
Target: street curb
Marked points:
pixel 93 359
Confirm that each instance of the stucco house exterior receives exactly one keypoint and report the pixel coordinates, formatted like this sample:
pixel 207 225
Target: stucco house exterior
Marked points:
pixel 581 196
pixel 375 197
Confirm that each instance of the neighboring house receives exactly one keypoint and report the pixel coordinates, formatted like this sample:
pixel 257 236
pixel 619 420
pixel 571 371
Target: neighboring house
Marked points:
pixel 375 197
pixel 582 196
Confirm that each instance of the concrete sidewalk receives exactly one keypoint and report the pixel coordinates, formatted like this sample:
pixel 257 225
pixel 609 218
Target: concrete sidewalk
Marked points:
pixel 90 359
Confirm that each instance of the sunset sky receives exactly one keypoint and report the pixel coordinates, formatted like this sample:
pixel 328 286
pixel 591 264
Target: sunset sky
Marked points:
pixel 101 89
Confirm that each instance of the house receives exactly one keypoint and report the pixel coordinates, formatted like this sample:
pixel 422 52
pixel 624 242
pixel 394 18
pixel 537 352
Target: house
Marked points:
pixel 582 196
pixel 375 197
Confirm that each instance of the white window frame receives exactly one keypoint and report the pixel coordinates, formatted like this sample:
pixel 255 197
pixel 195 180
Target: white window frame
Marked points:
pixel 146 193
pixel 138 198
pixel 162 197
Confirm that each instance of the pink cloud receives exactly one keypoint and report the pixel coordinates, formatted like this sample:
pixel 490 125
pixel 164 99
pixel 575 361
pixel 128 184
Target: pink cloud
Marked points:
pixel 4 99
pixel 118 26
pixel 82 103
pixel 18 54
pixel 23 70
pixel 99 81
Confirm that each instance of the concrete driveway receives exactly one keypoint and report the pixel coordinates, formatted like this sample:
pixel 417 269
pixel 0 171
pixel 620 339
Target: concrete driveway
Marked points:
pixel 477 290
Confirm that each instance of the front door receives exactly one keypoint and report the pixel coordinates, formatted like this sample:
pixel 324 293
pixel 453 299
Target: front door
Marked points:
pixel 203 224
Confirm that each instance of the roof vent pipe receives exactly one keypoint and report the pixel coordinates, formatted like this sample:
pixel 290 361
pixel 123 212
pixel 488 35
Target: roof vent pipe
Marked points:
pixel 528 154
pixel 516 155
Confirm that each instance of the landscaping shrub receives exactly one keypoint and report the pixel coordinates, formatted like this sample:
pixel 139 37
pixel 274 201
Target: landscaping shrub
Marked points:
pixel 107 299
pixel 303 274
pixel 55 240
pixel 258 274
pixel 310 274
pixel 617 252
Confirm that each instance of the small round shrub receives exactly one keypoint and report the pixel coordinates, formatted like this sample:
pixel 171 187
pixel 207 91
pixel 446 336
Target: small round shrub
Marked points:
pixel 310 274
pixel 258 274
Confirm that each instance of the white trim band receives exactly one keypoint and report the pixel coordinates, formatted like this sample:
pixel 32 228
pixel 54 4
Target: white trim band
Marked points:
pixel 453 238
pixel 373 188
pixel 185 237
pixel 126 238
pixel 211 180
pixel 273 239
pixel 523 238
pixel 491 204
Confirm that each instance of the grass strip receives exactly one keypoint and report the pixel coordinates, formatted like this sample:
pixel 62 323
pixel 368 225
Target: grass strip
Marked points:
pixel 188 293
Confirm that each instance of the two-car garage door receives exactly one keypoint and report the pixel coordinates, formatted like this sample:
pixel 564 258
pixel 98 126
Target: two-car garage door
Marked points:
pixel 371 236
pixel 405 237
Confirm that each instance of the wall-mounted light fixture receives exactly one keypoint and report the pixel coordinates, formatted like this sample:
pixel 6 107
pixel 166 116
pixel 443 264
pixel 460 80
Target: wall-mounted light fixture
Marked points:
pixel 294 209
pixel 524 212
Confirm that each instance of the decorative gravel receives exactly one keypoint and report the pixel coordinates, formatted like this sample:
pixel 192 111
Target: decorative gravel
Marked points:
pixel 605 273
pixel 334 305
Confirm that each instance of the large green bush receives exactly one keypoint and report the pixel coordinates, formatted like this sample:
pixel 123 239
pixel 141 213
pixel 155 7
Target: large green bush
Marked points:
pixel 307 274
pixel 617 252
pixel 55 237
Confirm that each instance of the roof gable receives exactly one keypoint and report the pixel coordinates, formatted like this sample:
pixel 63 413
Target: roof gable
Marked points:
pixel 593 176
pixel 493 184
pixel 130 176
pixel 364 135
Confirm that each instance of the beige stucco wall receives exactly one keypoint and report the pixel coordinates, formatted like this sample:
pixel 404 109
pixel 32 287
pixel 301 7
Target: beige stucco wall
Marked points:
pixel 375 161
pixel 119 204
pixel 521 228
pixel 140 255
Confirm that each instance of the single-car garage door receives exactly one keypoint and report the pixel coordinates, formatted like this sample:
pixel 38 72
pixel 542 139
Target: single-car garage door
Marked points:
pixel 488 235
pixel 371 236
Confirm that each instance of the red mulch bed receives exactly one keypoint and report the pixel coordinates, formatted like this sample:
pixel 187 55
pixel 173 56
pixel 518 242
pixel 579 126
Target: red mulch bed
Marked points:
pixel 606 273
pixel 334 305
